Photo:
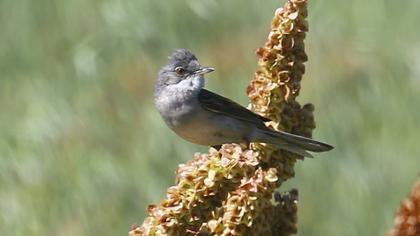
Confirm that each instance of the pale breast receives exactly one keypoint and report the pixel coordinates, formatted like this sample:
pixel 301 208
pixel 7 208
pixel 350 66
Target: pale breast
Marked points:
pixel 176 106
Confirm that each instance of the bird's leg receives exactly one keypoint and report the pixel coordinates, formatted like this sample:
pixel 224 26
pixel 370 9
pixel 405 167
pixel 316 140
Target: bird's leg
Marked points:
pixel 246 142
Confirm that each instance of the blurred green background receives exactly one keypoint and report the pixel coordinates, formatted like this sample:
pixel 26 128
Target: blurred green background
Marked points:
pixel 83 151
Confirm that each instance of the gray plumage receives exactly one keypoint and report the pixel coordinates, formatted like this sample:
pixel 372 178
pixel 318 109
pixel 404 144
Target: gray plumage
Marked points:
pixel 206 118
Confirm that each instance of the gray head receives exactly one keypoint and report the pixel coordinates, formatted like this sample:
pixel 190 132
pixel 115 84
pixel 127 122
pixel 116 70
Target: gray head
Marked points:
pixel 182 65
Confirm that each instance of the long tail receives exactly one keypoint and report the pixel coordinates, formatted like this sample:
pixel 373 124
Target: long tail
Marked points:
pixel 293 143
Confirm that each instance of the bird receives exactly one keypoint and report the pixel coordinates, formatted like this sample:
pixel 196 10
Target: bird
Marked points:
pixel 206 118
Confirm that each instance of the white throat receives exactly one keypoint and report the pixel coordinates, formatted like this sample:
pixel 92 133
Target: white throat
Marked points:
pixel 190 84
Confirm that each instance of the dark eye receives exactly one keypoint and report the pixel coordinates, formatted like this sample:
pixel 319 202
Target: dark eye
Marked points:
pixel 179 70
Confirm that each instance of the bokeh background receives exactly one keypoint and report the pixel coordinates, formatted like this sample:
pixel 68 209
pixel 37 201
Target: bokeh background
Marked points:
pixel 83 151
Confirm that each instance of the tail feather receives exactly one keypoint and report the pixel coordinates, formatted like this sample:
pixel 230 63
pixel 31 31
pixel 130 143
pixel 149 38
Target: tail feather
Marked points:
pixel 296 150
pixel 294 143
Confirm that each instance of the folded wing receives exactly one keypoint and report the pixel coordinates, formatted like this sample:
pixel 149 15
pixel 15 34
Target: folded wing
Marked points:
pixel 218 104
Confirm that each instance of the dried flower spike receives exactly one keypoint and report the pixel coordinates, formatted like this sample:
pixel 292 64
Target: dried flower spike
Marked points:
pixel 229 191
pixel 407 219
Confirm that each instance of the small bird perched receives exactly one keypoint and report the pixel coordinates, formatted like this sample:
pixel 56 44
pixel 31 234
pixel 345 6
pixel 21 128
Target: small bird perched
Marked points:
pixel 206 118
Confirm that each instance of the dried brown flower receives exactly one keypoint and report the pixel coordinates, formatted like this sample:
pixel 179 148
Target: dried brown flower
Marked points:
pixel 407 219
pixel 229 191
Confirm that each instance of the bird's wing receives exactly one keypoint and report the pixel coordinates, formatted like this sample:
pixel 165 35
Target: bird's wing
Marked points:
pixel 218 104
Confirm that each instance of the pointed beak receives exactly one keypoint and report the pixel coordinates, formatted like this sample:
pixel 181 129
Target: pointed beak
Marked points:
pixel 204 70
